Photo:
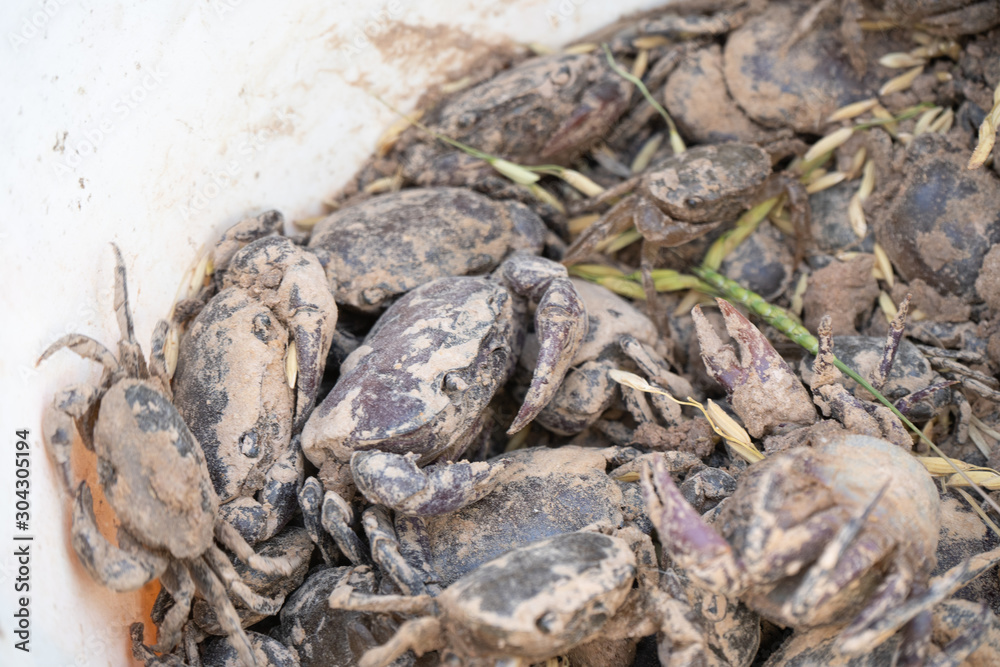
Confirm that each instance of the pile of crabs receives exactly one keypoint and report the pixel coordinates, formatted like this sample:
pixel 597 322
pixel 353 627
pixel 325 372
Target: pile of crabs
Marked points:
pixel 394 435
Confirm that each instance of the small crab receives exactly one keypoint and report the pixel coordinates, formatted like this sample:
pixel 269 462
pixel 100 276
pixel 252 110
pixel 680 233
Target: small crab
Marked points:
pixel 423 378
pixel 539 601
pixel 513 499
pixel 898 370
pixel 617 334
pixel 844 531
pixel 688 195
pixel 248 370
pixel 549 109
pixel 156 480
pixel 383 247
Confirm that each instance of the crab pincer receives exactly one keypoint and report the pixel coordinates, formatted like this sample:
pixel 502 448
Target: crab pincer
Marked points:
pixel 761 387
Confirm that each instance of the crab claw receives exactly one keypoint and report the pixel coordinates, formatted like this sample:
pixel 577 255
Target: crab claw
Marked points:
pixel 761 387
pixel 693 545
pixel 560 323
pixel 398 483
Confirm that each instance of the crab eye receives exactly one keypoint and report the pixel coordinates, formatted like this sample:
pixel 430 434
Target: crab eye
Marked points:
pixel 693 202
pixel 561 76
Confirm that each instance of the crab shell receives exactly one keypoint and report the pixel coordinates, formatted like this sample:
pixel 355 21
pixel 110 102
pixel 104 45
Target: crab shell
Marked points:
pixel 708 183
pixel 388 245
pixel 153 471
pixel 547 109
pixel 539 600
pixel 423 376
pixel 543 492
pixel 843 473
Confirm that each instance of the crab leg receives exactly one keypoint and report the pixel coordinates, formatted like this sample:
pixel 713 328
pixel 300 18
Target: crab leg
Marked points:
pixel 217 560
pixel 70 409
pixel 129 352
pixel 310 501
pixel 560 322
pixel 337 517
pixel 109 565
pixel 385 551
pixel 615 221
pixel 844 559
pixel 420 635
pixel 215 594
pixel 398 483
pixel 180 585
pixel 231 538
pixel 692 544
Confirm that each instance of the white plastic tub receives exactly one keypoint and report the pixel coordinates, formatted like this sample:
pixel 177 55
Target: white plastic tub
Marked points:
pixel 157 125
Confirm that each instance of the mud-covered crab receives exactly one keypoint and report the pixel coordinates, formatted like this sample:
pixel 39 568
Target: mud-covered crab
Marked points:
pixel 156 480
pixel 961 632
pixel 248 370
pixel 456 516
pixel 897 369
pixel 540 600
pixel 686 196
pixel 421 381
pixel 845 531
pixel 548 109
pixel 383 247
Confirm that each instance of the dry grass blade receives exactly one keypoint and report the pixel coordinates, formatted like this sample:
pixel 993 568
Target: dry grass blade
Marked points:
pixel 676 143
pixel 580 182
pixel 546 197
pixel 292 364
pixel 985 428
pixel 856 216
pixel 724 425
pixel 582 222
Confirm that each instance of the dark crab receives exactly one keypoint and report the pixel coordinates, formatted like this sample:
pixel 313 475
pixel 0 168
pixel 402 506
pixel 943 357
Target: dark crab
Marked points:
pixel 539 601
pixel 844 531
pixel 156 480
pixel 686 196
pixel 322 636
pixel 248 370
pixel 549 109
pixel 383 247
pixel 421 382
pixel 455 516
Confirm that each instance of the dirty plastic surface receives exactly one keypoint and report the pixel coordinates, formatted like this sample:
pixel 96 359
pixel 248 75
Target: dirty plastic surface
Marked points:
pixel 156 128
